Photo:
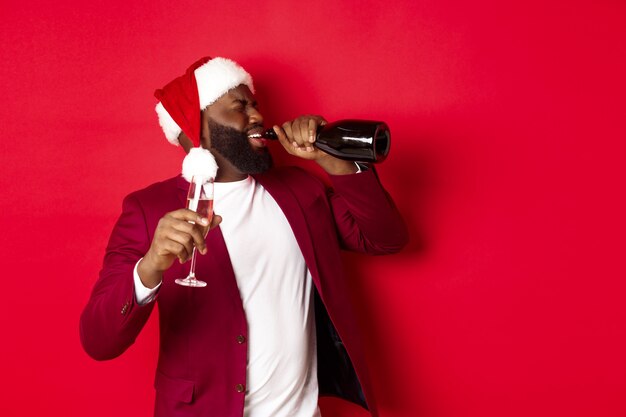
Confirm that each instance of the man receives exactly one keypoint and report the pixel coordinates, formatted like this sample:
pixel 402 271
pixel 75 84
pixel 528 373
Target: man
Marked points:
pixel 259 339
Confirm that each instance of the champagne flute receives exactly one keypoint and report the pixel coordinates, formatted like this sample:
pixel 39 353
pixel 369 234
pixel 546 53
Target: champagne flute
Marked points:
pixel 200 200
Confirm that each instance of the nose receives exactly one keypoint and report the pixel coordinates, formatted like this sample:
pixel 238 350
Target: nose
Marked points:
pixel 255 116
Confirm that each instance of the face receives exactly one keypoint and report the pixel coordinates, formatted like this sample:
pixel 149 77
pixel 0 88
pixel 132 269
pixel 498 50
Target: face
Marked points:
pixel 229 127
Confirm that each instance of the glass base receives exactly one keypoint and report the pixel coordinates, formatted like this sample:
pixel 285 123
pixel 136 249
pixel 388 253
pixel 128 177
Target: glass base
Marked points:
pixel 190 282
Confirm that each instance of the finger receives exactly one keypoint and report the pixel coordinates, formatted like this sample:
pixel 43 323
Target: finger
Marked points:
pixel 303 137
pixel 188 216
pixel 287 128
pixel 283 139
pixel 312 129
pixel 280 133
pixel 282 136
pixel 301 133
pixel 308 129
pixel 198 235
pixel 170 247
pixel 217 219
pixel 292 131
pixel 184 242
pixel 193 232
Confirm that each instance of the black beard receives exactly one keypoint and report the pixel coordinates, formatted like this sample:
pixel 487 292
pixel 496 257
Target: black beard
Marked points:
pixel 233 145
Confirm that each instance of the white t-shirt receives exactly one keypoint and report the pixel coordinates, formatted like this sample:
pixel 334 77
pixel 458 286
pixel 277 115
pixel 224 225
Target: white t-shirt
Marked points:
pixel 277 293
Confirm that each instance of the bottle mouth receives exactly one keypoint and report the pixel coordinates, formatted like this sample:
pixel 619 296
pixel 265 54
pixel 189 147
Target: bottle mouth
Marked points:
pixel 382 142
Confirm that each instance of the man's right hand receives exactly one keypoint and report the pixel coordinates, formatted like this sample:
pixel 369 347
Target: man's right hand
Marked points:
pixel 175 237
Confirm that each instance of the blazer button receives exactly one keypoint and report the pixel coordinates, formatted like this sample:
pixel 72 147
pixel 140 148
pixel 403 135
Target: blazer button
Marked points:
pixel 241 339
pixel 240 387
pixel 124 308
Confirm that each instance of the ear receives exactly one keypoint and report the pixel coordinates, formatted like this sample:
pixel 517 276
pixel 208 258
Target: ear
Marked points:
pixel 185 142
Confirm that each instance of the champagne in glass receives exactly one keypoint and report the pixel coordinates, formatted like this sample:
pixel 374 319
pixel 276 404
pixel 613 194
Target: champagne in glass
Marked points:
pixel 200 200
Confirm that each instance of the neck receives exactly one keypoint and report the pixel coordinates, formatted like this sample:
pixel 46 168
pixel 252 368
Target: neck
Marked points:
pixel 231 177
pixel 226 171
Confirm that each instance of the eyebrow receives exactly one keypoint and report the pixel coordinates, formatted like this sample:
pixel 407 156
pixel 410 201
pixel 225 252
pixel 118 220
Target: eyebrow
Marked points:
pixel 245 101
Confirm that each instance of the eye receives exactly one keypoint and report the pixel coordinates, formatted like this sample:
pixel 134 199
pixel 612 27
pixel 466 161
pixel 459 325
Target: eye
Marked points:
pixel 238 105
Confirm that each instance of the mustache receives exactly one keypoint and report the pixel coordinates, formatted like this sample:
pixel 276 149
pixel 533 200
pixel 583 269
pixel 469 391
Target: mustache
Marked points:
pixel 254 126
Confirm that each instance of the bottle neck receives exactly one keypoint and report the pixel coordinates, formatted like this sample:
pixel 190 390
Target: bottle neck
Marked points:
pixel 270 134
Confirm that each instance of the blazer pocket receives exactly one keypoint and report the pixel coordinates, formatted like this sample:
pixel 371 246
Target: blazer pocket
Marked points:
pixel 174 388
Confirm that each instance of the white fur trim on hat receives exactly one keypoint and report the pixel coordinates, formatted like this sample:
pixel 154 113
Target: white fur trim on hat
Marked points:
pixel 216 77
pixel 169 126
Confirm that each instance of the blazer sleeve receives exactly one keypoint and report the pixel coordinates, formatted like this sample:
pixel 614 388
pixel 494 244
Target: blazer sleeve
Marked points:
pixel 112 318
pixel 367 220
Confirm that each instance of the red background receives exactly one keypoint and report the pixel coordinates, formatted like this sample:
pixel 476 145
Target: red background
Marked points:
pixel 508 162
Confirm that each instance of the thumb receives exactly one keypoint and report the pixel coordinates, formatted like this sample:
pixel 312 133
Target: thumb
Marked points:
pixel 217 219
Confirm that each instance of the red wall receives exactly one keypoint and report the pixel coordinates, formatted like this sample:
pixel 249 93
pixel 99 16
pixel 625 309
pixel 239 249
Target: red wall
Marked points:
pixel 508 162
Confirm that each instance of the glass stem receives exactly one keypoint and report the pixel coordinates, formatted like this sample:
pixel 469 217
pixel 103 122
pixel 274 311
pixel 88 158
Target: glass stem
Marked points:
pixel 192 270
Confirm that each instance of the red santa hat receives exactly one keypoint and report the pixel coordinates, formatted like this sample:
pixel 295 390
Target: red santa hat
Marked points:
pixel 182 100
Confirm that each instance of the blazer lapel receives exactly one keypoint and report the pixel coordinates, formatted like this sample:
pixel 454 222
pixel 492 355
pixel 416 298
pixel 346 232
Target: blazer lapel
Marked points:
pixel 183 189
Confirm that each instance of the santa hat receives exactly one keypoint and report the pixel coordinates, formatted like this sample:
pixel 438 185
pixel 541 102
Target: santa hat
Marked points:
pixel 182 100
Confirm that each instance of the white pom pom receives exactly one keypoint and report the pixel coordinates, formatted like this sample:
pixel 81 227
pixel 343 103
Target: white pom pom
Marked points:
pixel 199 163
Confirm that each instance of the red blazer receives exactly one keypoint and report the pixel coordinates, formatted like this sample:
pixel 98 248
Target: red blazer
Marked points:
pixel 203 332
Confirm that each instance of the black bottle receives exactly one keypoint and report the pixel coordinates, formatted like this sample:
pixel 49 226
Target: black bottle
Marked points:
pixel 352 140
